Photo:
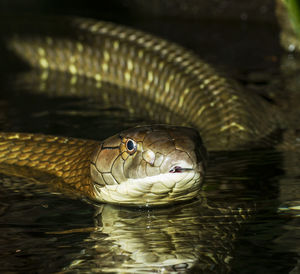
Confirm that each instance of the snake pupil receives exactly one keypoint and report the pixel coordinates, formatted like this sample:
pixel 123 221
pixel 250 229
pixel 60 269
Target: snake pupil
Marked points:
pixel 131 146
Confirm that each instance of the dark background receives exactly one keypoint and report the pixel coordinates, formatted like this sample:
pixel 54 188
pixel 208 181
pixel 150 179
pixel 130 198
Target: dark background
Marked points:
pixel 238 34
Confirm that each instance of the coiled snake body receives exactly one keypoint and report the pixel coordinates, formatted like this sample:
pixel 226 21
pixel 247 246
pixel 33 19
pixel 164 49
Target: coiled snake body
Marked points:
pixel 149 165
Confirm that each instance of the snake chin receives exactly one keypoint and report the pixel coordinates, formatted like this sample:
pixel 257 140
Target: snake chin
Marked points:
pixel 154 190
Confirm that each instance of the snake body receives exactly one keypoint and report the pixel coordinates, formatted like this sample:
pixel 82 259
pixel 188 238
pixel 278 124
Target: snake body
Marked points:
pixel 227 117
pixel 149 165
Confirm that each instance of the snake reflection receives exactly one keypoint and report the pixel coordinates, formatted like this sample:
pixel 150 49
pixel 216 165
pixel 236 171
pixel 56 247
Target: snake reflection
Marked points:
pixel 164 240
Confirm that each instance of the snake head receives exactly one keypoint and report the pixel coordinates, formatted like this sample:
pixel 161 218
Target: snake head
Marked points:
pixel 149 165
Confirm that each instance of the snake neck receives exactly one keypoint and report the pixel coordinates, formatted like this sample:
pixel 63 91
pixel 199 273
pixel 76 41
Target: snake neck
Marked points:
pixel 66 160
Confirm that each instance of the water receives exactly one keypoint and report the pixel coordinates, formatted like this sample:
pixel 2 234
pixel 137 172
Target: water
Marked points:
pixel 246 219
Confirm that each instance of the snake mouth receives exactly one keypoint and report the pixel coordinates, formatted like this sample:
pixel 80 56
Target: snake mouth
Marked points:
pixel 179 169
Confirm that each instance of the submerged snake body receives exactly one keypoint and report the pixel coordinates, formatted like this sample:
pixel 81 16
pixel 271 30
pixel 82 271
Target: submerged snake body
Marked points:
pixel 166 74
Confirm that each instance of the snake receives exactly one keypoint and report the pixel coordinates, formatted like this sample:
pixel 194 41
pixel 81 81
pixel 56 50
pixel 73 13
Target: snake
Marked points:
pixel 146 165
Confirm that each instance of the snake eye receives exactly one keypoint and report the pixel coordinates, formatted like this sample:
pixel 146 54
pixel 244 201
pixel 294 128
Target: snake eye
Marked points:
pixel 131 146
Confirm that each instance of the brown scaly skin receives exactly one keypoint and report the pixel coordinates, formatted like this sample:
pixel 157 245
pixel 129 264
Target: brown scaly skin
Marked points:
pixel 164 73
pixel 65 158
pixel 226 116
pixel 113 171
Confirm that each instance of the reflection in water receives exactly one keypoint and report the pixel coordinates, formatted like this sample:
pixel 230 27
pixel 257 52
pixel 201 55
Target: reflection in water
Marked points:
pixel 199 234
pixel 170 239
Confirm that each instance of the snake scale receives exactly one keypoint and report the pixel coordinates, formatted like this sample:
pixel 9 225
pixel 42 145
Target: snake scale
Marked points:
pixel 150 165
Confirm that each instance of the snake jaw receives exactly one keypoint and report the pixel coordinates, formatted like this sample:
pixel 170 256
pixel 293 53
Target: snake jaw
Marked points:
pixel 183 183
pixel 152 191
